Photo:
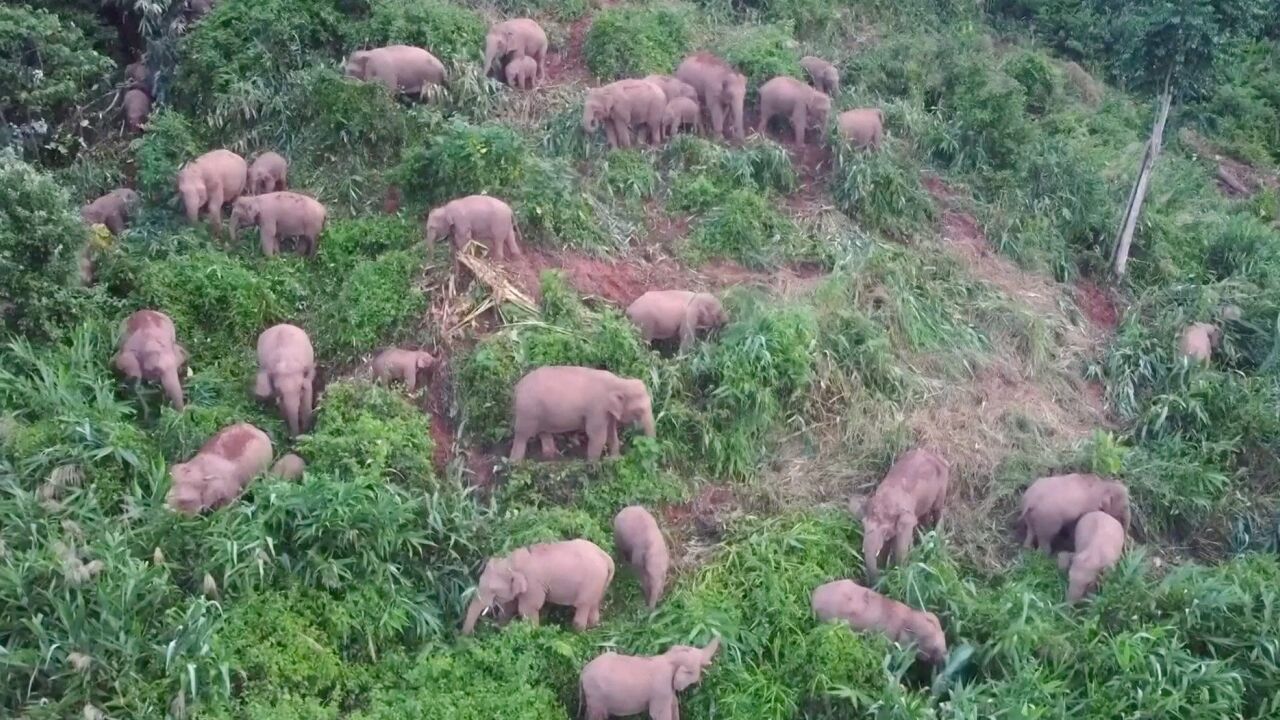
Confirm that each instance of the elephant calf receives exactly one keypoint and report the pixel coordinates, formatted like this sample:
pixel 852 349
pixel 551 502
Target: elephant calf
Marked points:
pixel 640 542
pixel 615 685
pixel 286 372
pixel 1099 542
pixel 397 364
pixel 798 102
pixel 868 611
pixel 573 572
pixel 280 215
pixel 1198 341
pixel 624 106
pixel 664 314
pixel 564 399
pixel 149 350
pixel 137 108
pixel 515 38
pixel 112 209
pixel 1052 503
pixel 220 470
pixel 863 127
pixel 269 172
pixel 475 217
pixel 822 74
pixel 210 181
pixel 289 467
pixel 914 492
pixel 522 72
pixel 681 112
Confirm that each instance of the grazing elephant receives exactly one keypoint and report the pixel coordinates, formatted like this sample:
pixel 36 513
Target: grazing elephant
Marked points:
pixel 208 182
pixel 1052 503
pixel 112 209
pixel 721 89
pixel 522 72
pixel 222 468
pixel 269 172
pixel 796 101
pixel 289 467
pixel 1099 543
pixel 397 364
pixel 672 87
pixel 863 128
pixel 571 572
pixel 149 350
pixel 640 542
pixel 681 112
pixel 517 37
pixel 286 372
pixel 868 611
pixel 1198 341
pixel 400 68
pixel 912 493
pixel 485 219
pixel 563 399
pixel 623 105
pixel 822 74
pixel 280 215
pixel 138 76
pixel 614 685
pixel 137 108
pixel 663 314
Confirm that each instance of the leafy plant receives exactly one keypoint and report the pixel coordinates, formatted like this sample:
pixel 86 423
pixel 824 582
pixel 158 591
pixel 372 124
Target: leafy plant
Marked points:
pixel 633 42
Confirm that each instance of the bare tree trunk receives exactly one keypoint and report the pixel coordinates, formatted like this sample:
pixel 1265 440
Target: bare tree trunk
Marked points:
pixel 1134 209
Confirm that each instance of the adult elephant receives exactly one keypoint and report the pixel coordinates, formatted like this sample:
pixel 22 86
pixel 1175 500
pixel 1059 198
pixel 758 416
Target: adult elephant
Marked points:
pixel 516 38
pixel 210 181
pixel 564 399
pixel 721 89
pixel 287 372
pixel 623 106
pixel 401 68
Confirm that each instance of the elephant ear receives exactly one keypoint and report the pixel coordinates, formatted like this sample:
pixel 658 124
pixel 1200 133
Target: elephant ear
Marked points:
pixel 519 583
pixel 616 404
pixel 684 674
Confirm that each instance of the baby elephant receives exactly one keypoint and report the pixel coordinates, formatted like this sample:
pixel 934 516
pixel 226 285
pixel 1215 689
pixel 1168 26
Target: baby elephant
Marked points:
pixel 220 470
pixel 614 685
pixel 640 542
pixel 681 112
pixel 564 399
pixel 522 72
pixel 149 350
pixel 863 128
pixel 1052 503
pixel 1198 341
pixel 479 217
pixel 673 88
pixel 395 363
pixel 286 372
pixel 289 467
pixel 796 101
pixel 269 172
pixel 1099 544
pixel 280 215
pixel 137 108
pixel 868 611
pixel 112 209
pixel 912 493
pixel 400 68
pixel 663 314
pixel 822 74
pixel 571 572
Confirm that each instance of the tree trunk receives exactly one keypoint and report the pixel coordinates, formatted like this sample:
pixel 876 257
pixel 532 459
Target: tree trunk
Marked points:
pixel 1134 209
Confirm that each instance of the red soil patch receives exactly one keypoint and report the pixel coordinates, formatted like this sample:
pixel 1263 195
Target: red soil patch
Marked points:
pixel 706 514
pixel 811 161
pixel 442 431
pixel 567 65
pixel 1098 305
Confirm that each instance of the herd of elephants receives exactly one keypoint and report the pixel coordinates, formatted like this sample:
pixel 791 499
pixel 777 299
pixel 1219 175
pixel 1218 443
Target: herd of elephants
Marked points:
pixel 1085 513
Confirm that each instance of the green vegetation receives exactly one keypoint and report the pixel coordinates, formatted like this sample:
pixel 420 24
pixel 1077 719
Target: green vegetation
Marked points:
pixel 951 288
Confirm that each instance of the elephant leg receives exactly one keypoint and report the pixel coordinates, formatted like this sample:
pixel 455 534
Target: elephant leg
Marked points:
pixel 513 248
pixel 799 121
pixel 530 606
pixel 581 617
pixel 1046 530
pixel 540 57
pixel 262 386
pixel 519 444
pixel 548 441
pixel 308 402
pixel 597 431
pixel 410 375
pixel 717 115
pixel 269 244
pixel 594 620
pixel 623 129
pixel 610 134
pixel 115 223
pixel 215 211
pixel 615 446
pixel 595 712
pixel 498 246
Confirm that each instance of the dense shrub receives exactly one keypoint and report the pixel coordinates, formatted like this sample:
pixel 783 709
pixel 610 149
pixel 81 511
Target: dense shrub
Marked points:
pixel 363 428
pixel 633 42
pixel 168 145
pixel 465 160
pixel 744 226
pixel 761 52
pixel 881 188
pixel 446 30
pixel 1038 78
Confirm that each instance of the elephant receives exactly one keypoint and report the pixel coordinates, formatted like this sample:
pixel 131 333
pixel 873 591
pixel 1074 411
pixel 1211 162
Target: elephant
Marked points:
pixel 563 399
pixel 614 685
pixel 396 363
pixel 863 127
pixel 1052 503
pixel 269 172
pixel 516 37
pixel 868 611
pixel 216 475
pixel 112 209
pixel 663 314
pixel 286 372
pixel 289 467
pixel 672 87
pixel 1099 543
pixel 623 105
pixel 913 493
pixel 571 572
pixel 401 68
pixel 281 215
pixel 681 112
pixel 479 217
pixel 721 89
pixel 798 102
pixel 209 181
pixel 137 108
pixel 149 350
pixel 522 72
pixel 640 542
pixel 1198 341
pixel 822 74
pixel 138 76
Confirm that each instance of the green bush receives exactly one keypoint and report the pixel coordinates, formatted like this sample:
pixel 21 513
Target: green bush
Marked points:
pixel 986 123
pixel 744 226
pixel 273 648
pixel 628 175
pixel 761 52
pixel 168 144
pixel 373 304
pixel 1038 78
pixel 448 31
pixel 465 160
pixel 881 188
pixel 363 428
pixel 563 10
pixel 634 42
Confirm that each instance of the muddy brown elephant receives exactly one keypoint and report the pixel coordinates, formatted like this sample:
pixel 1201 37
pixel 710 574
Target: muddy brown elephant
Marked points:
pixel 822 74
pixel 269 172
pixel 112 209
pixel 512 39
pixel 137 108
pixel 138 75
pixel 681 113
pixel 572 572
pixel 663 314
pixel 721 90
pixel 289 467
pixel 862 128
pixel 868 611
pixel 622 107
pixel 223 467
pixel 149 351
pixel 280 215
pixel 673 87
pixel 1052 503
pixel 796 101
pixel 913 493
pixel 1099 543
pixel 564 399
pixel 482 218
pixel 616 685
pixel 209 182
pixel 639 541
pixel 522 73
pixel 286 373
pixel 1198 341
pixel 399 68
pixel 404 365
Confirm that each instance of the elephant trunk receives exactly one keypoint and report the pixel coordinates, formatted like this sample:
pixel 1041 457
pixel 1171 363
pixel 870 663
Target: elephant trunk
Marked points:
pixel 646 421
pixel 476 607
pixel 289 402
pixel 872 543
pixel 709 651
pixel 191 204
pixel 490 52
pixel 172 388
